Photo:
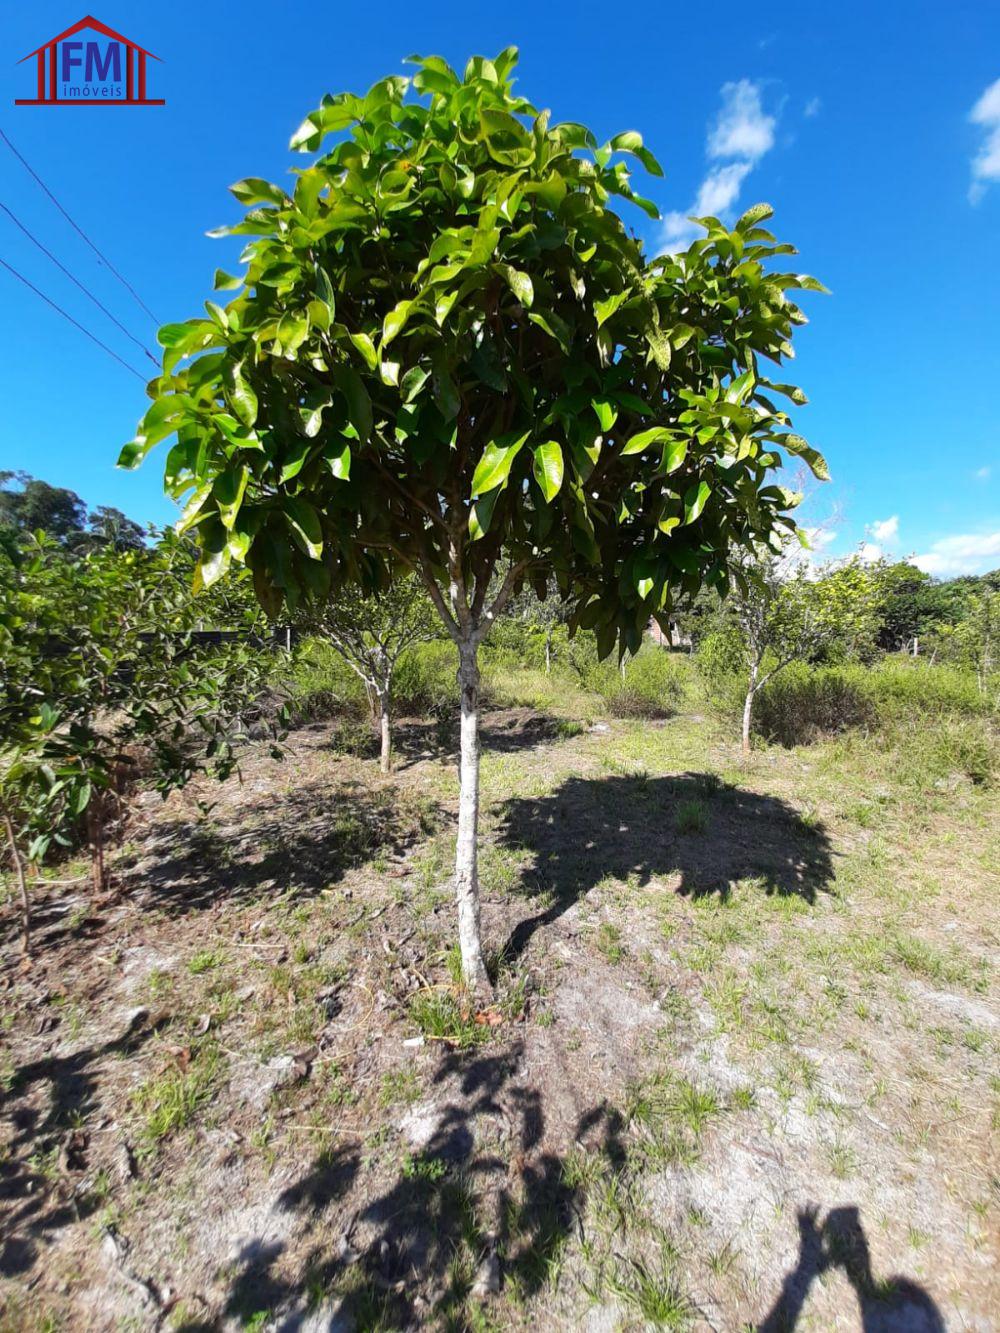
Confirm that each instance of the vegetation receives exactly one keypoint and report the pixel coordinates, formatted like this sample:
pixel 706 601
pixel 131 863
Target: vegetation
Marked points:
pixel 449 355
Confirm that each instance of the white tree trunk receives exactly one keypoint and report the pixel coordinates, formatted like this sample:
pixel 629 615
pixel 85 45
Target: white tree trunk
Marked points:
pixel 385 727
pixel 466 862
pixel 748 708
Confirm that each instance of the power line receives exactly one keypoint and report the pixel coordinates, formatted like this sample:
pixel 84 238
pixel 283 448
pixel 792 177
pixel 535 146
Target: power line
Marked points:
pixel 72 277
pixel 103 346
pixel 102 257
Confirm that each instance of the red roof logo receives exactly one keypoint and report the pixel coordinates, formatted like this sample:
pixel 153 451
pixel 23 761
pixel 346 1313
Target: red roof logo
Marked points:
pixel 98 67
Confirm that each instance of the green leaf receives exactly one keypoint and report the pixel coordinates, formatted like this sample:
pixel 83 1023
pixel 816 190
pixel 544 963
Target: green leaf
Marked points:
pixel 481 514
pixel 311 412
pixel 603 310
pixel 242 398
pixel 338 458
pixel 359 405
pixel 674 454
pixel 494 467
pixel 253 190
pixel 519 283
pixel 229 488
pixel 694 500
pixel 366 347
pixel 607 412
pixel 191 512
pixel 547 468
pixel 305 525
pixel 294 460
pixel 796 445
pixel 645 439
pixel 630 141
pixel 395 321
pixel 225 282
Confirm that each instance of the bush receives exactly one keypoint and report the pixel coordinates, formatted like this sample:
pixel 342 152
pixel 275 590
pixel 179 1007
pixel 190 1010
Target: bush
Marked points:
pixel 652 685
pixel 802 704
pixel 322 685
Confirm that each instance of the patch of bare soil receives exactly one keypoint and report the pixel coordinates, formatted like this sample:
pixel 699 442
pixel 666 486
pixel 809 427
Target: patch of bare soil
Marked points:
pixel 247 1094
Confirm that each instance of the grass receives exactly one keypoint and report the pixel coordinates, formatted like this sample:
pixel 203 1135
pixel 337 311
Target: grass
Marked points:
pixel 173 1100
pixel 706 1009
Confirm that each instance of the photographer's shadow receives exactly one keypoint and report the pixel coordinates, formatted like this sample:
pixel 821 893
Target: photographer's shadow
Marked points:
pixel 885 1305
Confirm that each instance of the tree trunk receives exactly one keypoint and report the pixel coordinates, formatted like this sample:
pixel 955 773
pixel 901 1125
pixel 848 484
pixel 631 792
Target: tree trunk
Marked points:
pixel 21 884
pixel 385 727
pixel 748 708
pixel 548 653
pixel 466 863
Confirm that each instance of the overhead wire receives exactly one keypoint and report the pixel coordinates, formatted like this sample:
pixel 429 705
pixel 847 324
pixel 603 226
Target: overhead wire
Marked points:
pixel 74 279
pixel 77 228
pixel 76 323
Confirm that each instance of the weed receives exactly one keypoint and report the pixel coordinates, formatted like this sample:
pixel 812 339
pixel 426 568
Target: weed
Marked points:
pixel 205 961
pixel 691 816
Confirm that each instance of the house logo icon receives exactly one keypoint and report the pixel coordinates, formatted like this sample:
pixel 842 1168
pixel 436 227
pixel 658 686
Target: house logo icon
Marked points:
pixel 90 65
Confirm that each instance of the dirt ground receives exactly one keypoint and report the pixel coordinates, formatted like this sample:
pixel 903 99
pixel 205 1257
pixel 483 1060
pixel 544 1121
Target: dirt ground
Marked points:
pixel 740 1073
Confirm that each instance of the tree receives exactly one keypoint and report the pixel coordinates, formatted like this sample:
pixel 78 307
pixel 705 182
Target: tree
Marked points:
pixel 110 527
pixel 782 616
pixel 39 507
pixel 97 659
pixel 448 354
pixel 371 634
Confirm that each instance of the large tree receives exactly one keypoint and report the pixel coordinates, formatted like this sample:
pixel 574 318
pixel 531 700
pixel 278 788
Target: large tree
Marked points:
pixel 448 353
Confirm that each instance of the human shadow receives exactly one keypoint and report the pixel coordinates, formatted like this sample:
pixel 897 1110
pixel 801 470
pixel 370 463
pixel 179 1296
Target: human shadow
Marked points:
pixel 885 1305
pixel 46 1099
pixel 484 1197
pixel 298 841
pixel 709 833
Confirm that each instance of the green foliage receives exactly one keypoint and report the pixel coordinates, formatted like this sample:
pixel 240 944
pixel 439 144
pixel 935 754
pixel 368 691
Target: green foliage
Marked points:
pixel 651 684
pixel 99 671
pixel 449 349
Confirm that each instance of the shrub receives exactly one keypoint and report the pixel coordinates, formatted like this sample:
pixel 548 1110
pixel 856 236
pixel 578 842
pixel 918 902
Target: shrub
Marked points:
pixel 652 684
pixel 802 704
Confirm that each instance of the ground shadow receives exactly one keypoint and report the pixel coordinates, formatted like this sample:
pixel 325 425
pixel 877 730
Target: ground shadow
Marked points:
pixel 637 828
pixel 46 1100
pixel 885 1305
pixel 484 1190
pixel 508 732
pixel 298 841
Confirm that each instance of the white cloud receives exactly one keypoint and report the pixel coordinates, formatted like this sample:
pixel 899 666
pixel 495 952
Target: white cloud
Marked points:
pixel 721 188
pixel 983 473
pixel 887 530
pixel 966 553
pixel 741 131
pixel 986 163
pixel 870 552
pixel 812 107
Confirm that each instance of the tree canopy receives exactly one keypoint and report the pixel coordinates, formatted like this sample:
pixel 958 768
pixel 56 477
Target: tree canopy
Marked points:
pixel 446 345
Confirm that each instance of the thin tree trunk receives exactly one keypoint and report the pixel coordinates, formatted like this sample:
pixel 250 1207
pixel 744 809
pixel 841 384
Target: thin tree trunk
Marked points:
pixel 748 708
pixel 548 653
pixel 466 862
pixel 22 885
pixel 385 726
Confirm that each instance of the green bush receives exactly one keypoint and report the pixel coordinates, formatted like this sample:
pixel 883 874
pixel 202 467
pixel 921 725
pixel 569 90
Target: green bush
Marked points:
pixel 802 704
pixel 652 684
pixel 322 685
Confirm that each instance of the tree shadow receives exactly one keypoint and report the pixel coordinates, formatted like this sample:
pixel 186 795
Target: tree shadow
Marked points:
pixel 637 828
pixel 504 732
pixel 484 1191
pixel 885 1305
pixel 47 1098
pixel 300 841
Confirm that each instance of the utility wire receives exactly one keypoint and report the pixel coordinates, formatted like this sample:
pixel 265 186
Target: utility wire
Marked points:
pixel 102 257
pixel 104 347
pixel 72 277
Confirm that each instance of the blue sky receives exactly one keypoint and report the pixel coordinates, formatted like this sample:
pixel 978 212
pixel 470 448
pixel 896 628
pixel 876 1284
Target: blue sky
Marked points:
pixel 873 130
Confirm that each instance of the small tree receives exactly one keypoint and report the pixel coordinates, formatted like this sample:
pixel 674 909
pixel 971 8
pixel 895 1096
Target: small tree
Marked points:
pixel 371 634
pixel 96 661
pixel 449 354
pixel 781 619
